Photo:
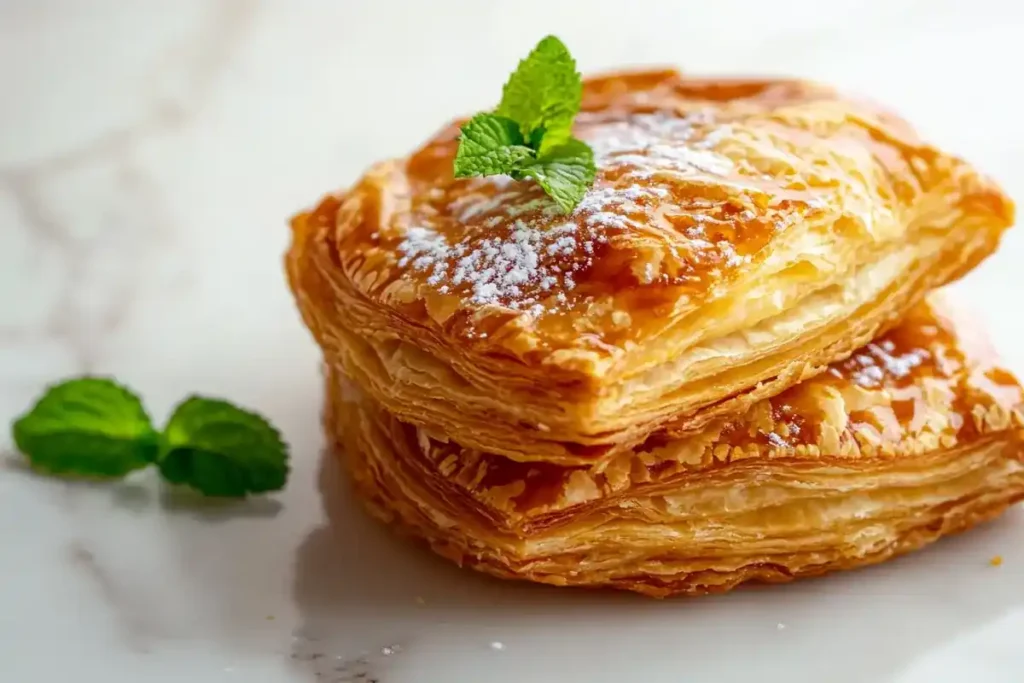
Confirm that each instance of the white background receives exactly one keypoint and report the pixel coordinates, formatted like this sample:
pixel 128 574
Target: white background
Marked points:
pixel 150 155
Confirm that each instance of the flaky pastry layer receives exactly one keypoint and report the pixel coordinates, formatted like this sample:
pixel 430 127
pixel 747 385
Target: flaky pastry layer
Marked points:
pixel 917 435
pixel 740 236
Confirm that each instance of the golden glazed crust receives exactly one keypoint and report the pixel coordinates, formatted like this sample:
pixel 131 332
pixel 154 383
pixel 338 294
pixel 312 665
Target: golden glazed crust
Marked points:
pixel 740 236
pixel 917 435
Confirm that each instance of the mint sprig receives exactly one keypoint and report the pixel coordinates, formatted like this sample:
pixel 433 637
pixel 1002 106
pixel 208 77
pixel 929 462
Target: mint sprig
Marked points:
pixel 529 135
pixel 94 427
pixel 544 93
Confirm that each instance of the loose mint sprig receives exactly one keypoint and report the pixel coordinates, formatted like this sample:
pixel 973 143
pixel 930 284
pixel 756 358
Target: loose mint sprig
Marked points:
pixel 529 135
pixel 94 427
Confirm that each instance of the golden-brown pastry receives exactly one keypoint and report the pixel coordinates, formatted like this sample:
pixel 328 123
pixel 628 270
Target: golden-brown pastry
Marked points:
pixel 915 436
pixel 740 236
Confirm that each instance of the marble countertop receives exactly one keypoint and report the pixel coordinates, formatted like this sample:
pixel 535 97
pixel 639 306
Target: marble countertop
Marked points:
pixel 150 155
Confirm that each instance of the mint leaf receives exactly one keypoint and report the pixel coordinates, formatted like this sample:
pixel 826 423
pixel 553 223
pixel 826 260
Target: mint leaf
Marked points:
pixel 565 172
pixel 221 450
pixel 490 145
pixel 530 133
pixel 89 427
pixel 545 91
pixel 93 427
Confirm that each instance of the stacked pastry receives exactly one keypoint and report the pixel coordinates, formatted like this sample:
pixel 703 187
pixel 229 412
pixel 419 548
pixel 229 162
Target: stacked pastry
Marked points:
pixel 720 367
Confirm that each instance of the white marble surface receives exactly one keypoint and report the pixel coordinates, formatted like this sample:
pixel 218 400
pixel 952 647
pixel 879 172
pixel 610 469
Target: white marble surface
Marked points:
pixel 150 154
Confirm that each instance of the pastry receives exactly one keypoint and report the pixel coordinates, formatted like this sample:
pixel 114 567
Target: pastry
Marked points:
pixel 915 436
pixel 740 236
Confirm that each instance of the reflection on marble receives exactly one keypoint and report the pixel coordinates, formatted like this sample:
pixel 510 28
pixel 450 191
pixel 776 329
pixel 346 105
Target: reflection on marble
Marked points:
pixel 150 154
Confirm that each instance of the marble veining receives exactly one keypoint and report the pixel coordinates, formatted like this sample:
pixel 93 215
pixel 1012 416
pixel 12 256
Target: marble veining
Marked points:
pixel 137 626
pixel 53 231
pixel 150 155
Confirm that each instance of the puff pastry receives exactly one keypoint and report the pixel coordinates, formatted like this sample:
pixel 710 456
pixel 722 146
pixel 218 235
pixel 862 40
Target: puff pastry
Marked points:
pixel 740 236
pixel 915 436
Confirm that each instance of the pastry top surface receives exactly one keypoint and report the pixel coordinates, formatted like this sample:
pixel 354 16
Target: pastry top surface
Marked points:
pixel 702 186
pixel 927 390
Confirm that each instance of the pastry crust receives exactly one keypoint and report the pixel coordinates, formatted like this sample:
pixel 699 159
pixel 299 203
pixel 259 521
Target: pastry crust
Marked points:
pixel 917 435
pixel 740 236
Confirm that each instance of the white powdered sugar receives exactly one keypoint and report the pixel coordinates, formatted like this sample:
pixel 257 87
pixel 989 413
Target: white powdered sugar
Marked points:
pixel 659 143
pixel 506 271
pixel 421 246
pixel 879 361
pixel 513 256
pixel 645 144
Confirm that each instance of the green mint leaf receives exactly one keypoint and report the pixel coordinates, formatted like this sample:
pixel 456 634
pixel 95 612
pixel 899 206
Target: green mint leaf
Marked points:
pixel 530 133
pixel 221 450
pixel 537 137
pixel 544 91
pixel 565 172
pixel 490 145
pixel 88 427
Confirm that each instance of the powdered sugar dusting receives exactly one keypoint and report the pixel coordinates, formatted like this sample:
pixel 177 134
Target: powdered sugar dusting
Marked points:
pixel 880 360
pixel 506 268
pixel 516 250
pixel 422 247
pixel 661 143
pixel 653 148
